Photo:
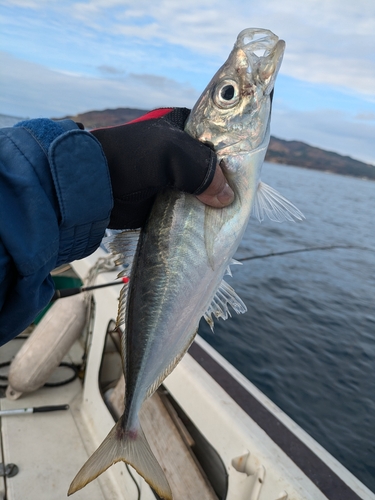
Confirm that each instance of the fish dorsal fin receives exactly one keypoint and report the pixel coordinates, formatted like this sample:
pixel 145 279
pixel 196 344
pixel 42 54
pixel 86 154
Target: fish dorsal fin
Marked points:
pixel 224 297
pixel 124 246
pixel 271 203
pixel 122 304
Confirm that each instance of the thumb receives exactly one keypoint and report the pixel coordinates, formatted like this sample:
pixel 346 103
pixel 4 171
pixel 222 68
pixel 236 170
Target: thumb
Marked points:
pixel 218 194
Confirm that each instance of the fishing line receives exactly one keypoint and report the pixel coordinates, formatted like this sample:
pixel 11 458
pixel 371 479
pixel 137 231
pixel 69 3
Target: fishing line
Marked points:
pixel 307 249
pixel 134 480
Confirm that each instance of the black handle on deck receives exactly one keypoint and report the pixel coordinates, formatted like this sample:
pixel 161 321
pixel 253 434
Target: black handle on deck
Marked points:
pixel 50 408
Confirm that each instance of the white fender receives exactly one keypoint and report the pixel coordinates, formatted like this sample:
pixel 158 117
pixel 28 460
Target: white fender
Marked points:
pixel 50 341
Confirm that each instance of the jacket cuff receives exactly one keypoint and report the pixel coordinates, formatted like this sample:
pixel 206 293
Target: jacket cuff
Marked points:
pixel 84 192
pixel 82 184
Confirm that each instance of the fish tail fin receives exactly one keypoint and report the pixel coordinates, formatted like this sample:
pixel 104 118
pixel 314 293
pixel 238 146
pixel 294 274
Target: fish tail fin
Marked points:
pixel 129 446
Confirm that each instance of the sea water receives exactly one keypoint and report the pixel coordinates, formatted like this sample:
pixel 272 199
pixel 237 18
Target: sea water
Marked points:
pixel 308 338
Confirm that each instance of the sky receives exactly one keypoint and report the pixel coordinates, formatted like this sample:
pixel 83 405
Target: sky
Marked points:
pixel 65 57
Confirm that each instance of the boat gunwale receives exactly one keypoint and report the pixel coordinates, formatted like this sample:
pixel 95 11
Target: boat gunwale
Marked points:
pixel 324 477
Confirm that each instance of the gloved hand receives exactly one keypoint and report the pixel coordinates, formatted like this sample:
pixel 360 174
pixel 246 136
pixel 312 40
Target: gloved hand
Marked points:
pixel 152 153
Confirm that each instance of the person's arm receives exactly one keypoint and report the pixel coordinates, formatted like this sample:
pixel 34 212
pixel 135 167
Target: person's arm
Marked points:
pixel 56 200
pixel 61 187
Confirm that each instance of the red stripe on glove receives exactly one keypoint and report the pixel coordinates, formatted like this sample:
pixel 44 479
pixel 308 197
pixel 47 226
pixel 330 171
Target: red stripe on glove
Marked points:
pixel 156 113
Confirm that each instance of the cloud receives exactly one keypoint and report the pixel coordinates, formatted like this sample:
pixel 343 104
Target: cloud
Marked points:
pixel 365 116
pixel 33 90
pixel 347 72
pixel 110 70
pixel 28 4
pixel 328 129
pixel 327 42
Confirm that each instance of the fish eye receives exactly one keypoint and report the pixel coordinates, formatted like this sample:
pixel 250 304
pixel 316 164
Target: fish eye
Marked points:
pixel 226 94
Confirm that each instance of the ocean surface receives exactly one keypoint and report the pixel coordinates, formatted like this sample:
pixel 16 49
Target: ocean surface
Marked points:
pixel 308 338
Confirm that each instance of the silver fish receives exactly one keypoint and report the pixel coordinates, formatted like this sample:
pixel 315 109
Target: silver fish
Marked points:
pixel 186 247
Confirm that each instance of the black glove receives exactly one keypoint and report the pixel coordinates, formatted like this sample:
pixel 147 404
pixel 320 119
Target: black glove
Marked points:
pixel 148 155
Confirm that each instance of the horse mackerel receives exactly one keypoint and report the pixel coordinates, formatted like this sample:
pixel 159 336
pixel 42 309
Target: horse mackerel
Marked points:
pixel 186 247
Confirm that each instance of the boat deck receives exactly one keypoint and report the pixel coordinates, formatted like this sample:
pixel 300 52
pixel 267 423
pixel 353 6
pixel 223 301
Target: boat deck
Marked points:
pixel 48 448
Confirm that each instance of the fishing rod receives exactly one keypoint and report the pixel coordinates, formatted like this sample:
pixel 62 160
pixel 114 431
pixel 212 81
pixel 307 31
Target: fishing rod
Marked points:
pixel 68 292
pixel 306 249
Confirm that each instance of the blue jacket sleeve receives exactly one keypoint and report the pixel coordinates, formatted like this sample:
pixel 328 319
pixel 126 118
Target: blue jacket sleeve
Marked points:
pixel 55 203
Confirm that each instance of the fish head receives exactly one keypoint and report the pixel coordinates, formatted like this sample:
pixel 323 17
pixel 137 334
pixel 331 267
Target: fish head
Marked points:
pixel 233 113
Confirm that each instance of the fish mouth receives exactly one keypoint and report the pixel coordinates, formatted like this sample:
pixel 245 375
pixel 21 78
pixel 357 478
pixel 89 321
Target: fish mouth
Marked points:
pixel 257 39
pixel 264 53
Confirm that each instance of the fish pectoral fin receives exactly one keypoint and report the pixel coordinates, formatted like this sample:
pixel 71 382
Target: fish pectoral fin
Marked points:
pixel 130 447
pixel 271 203
pixel 224 297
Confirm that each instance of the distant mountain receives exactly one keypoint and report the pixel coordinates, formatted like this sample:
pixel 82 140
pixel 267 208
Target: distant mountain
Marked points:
pixel 302 155
pixel 279 151
pixel 107 117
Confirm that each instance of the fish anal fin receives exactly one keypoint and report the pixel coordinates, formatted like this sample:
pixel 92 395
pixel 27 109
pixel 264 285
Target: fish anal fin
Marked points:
pixel 269 202
pixel 129 446
pixel 224 297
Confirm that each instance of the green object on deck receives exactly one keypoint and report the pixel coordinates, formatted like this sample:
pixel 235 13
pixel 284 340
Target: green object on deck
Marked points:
pixel 61 282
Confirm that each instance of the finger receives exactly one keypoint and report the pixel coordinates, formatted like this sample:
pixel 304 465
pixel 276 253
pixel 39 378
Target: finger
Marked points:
pixel 218 194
